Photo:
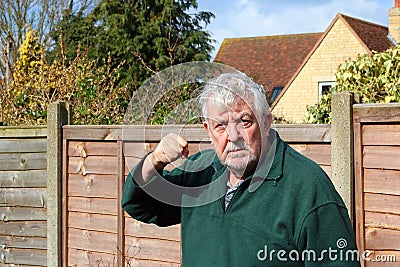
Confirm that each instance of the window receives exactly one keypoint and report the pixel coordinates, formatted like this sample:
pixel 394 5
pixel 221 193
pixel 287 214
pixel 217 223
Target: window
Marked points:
pixel 274 94
pixel 324 88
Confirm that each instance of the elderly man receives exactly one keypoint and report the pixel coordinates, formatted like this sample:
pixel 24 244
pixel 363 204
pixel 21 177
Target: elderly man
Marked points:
pixel 252 200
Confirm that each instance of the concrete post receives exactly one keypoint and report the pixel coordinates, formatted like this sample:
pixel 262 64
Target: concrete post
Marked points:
pixel 57 116
pixel 343 147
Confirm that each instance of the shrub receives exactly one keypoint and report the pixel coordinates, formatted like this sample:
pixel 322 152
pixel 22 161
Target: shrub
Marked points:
pixel 376 78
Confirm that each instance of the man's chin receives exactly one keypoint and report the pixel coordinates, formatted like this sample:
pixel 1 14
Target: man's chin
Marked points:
pixel 237 164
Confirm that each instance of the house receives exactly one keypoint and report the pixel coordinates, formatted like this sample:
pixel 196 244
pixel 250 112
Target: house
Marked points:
pixel 298 68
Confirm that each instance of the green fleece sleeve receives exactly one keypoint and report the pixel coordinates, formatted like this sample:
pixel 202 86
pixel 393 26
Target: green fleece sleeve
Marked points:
pixel 327 238
pixel 145 202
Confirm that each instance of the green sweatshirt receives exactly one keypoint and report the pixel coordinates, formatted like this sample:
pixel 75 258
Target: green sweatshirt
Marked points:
pixel 287 215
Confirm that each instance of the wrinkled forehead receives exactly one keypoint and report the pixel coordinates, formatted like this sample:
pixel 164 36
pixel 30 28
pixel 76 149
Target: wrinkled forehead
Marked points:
pixel 237 104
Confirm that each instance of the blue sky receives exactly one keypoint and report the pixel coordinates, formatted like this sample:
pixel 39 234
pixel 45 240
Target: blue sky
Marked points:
pixel 246 18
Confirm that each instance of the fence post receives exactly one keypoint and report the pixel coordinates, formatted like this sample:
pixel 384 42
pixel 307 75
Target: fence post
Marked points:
pixel 343 147
pixel 57 116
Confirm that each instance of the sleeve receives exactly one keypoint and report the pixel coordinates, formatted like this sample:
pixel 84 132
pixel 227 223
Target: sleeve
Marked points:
pixel 327 238
pixel 152 202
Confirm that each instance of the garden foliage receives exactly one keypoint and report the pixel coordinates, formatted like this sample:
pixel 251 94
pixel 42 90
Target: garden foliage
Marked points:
pixel 376 78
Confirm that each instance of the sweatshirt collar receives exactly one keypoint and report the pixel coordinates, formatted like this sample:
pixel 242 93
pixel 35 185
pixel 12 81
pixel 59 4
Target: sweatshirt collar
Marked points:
pixel 271 165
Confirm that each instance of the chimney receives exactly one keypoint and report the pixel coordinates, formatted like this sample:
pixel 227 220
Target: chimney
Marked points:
pixel 394 22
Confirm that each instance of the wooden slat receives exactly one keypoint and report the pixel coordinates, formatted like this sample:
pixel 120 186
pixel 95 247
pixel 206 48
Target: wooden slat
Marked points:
pixel 376 112
pixel 25 131
pixel 138 149
pixel 146 133
pixel 381 134
pixel 382 220
pixel 27 228
pixel 24 197
pixel 120 216
pixel 84 149
pixel 382 157
pixel 137 229
pixel 93 205
pixel 358 188
pixel 23 145
pixel 92 222
pixel 32 257
pixel 382 239
pixel 92 132
pixel 195 133
pixel 149 263
pixel 65 203
pixel 382 181
pixel 382 203
pixel 22 214
pixel 77 257
pixel 307 133
pixel 320 153
pixel 92 165
pixel 31 178
pixel 93 185
pixel 26 242
pixel 92 241
pixel 153 249
pixel 23 161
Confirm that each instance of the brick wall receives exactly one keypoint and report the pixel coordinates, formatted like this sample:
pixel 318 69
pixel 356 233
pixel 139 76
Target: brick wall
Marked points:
pixel 337 46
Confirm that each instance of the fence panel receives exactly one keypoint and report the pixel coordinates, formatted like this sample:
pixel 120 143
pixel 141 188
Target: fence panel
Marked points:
pixel 96 231
pixel 377 182
pixel 23 195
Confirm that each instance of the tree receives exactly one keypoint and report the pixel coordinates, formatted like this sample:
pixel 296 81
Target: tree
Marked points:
pixel 376 78
pixel 17 17
pixel 145 36
pixel 92 92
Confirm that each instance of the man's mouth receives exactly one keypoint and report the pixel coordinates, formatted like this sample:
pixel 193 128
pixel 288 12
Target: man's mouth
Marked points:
pixel 238 152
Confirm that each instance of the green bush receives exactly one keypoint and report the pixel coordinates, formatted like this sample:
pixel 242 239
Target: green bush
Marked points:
pixel 91 91
pixel 376 78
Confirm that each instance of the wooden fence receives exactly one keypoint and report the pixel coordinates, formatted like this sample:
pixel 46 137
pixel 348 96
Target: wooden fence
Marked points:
pixel 87 167
pixel 97 160
pixel 23 192
pixel 377 182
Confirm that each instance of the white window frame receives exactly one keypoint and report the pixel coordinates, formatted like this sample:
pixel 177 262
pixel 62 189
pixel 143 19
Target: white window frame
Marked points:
pixel 320 87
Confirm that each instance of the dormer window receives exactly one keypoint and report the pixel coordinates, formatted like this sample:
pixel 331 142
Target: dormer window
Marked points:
pixel 275 92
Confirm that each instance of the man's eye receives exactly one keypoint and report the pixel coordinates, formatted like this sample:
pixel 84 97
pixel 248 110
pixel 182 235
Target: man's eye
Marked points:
pixel 219 127
pixel 246 123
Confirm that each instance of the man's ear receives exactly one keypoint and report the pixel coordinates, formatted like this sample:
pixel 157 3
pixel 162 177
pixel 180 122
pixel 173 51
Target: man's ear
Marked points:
pixel 206 127
pixel 268 121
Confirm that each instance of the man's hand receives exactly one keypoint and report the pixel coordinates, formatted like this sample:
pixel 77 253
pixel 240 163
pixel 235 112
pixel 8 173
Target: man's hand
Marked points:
pixel 170 148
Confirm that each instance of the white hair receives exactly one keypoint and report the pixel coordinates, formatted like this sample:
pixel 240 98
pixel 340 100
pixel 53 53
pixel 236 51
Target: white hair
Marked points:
pixel 224 88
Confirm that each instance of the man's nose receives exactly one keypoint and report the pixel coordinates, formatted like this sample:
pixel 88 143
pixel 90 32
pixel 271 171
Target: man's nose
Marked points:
pixel 233 130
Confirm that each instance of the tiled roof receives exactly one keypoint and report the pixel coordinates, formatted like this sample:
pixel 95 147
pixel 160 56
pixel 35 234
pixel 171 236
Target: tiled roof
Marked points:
pixel 270 60
pixel 374 36
pixel 274 60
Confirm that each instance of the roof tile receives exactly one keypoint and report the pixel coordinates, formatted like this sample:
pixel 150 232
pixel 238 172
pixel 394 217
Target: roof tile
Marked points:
pixel 270 60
